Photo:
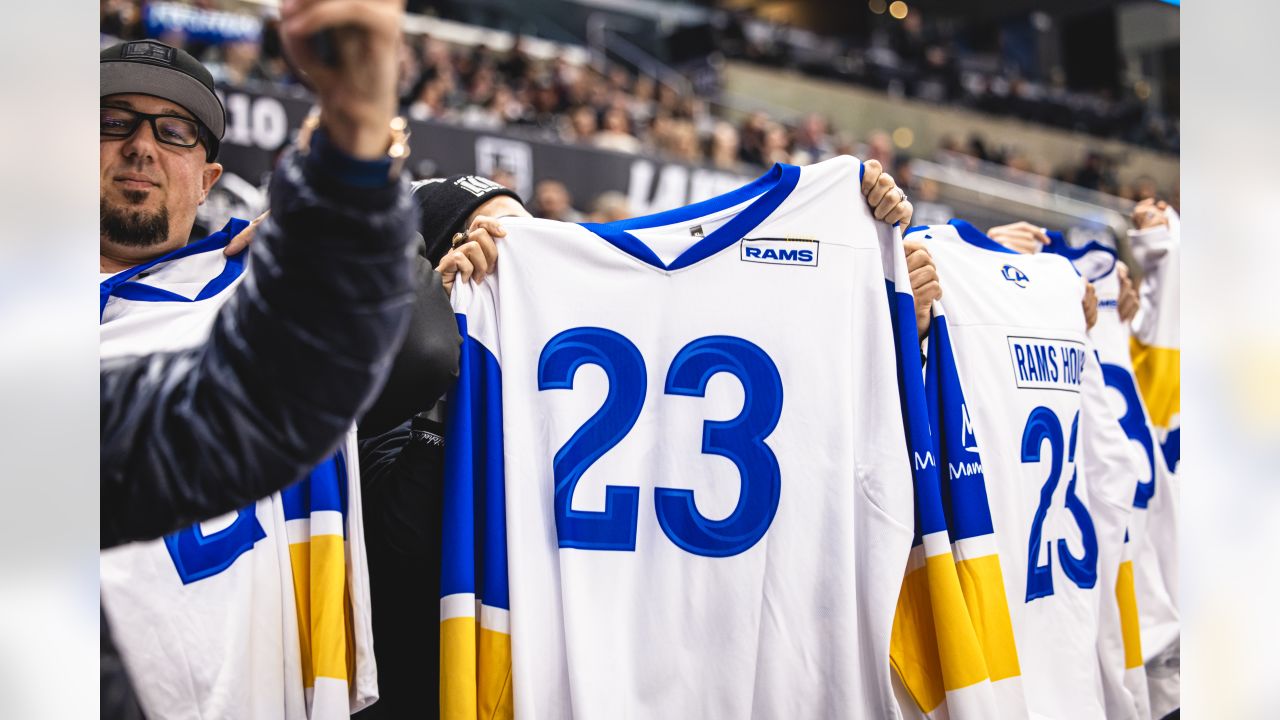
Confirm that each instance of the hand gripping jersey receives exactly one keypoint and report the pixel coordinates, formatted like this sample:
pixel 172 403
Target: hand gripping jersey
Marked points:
pixel 1156 338
pixel 262 614
pixel 1058 474
pixel 1153 528
pixel 676 454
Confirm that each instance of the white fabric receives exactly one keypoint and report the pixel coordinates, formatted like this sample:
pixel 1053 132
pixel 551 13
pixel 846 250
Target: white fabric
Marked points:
pixel 1154 526
pixel 1021 349
pixel 226 645
pixel 798 624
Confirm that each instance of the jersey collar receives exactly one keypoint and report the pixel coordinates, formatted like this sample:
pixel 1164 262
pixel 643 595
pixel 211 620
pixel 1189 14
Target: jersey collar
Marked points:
pixel 122 285
pixel 1059 247
pixel 977 238
pixel 769 190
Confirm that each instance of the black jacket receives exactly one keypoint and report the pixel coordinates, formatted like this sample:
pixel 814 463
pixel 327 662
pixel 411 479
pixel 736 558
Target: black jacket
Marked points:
pixel 294 357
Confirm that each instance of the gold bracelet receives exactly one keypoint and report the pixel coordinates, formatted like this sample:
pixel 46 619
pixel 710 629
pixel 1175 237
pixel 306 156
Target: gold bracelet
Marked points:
pixel 398 151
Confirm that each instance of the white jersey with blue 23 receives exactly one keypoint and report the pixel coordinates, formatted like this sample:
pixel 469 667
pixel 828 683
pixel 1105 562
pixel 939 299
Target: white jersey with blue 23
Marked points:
pixel 677 457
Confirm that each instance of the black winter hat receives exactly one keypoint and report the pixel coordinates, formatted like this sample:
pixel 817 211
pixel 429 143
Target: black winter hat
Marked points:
pixel 446 203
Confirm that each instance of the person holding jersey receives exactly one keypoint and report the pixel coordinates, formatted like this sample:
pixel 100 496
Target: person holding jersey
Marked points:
pixel 303 344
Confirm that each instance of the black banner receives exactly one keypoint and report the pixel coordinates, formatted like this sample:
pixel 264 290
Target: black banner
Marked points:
pixel 260 124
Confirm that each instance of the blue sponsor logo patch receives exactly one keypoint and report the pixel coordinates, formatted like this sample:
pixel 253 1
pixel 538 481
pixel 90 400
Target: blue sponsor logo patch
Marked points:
pixel 779 251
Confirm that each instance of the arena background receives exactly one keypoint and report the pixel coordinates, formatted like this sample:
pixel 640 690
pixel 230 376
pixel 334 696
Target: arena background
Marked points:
pixel 985 110
pixel 49 358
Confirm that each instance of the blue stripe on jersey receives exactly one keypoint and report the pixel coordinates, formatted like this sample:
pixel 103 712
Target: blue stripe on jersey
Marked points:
pixel 963 483
pixel 474 470
pixel 121 285
pixel 974 236
pixel 930 517
pixel 324 488
pixel 1172 449
pixel 772 188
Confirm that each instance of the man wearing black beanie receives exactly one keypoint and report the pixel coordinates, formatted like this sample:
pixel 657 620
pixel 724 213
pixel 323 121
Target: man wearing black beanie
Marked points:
pixel 450 205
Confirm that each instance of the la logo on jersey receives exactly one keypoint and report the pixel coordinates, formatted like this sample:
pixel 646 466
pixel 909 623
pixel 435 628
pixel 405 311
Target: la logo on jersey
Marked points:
pixel 1015 276
pixel 780 251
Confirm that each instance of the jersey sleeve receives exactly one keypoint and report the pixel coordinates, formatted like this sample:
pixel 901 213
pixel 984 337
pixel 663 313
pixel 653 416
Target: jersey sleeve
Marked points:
pixel 934 648
pixel 1111 467
pixel 323 522
pixel 475 635
pixel 1156 343
pixel 968 520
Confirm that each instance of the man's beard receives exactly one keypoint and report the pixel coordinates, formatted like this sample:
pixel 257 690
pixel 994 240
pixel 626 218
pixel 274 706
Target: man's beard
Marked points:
pixel 133 228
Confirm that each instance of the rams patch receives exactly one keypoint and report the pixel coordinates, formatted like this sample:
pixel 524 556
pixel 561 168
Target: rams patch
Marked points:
pixel 779 251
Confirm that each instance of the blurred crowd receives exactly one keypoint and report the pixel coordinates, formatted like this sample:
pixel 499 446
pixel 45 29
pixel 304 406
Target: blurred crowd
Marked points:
pixel 613 109
pixel 932 59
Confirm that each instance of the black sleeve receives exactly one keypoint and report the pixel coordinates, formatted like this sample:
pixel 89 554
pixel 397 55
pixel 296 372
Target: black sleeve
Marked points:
pixel 427 364
pixel 294 357
pixel 402 487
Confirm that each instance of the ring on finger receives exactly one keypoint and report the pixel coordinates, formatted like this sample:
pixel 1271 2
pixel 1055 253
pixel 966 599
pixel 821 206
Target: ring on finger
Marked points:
pixel 459 238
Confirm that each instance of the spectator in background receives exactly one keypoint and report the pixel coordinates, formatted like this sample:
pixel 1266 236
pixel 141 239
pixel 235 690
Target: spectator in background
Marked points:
pixel 551 200
pixel 581 126
pixel 1144 188
pixel 616 133
pixel 505 178
pixel 641 102
pixel 238 65
pixel 723 151
pixel 120 20
pixel 610 206
pixel 752 139
pixel 880 148
pixel 813 142
pixel 774 147
pixel 614 108
pixel 681 142
pixel 516 63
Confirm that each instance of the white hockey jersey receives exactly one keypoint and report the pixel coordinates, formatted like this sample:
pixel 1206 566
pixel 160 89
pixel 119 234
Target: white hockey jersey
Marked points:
pixel 262 614
pixel 1153 529
pixel 676 453
pixel 1057 471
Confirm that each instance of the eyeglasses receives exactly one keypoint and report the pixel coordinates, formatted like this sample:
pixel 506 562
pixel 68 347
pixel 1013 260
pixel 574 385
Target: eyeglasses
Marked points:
pixel 169 129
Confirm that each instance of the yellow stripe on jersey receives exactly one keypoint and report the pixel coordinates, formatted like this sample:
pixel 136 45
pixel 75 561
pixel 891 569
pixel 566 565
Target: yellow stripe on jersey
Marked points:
pixel 458 668
pixel 1158 372
pixel 933 646
pixel 1127 599
pixel 982 583
pixel 913 650
pixel 496 700
pixel 324 618
pixel 475 671
pixel 962 659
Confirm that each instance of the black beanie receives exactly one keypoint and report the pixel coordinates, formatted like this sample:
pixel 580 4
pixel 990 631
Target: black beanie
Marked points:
pixel 446 204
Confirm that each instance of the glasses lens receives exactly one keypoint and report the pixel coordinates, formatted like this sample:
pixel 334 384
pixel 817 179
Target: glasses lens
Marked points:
pixel 177 131
pixel 117 121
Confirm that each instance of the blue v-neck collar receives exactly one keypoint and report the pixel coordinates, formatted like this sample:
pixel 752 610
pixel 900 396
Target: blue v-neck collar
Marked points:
pixel 770 190
pixel 121 284
pixel 977 238
pixel 1059 247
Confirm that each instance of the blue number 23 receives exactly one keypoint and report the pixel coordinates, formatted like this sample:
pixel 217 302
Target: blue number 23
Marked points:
pixel 741 440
